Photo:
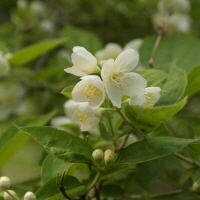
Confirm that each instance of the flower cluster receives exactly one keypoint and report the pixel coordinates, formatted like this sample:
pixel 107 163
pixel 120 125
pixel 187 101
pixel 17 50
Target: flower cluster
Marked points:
pixel 116 79
pixel 179 20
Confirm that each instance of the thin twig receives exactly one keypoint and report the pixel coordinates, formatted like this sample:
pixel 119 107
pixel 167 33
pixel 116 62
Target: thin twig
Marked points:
pixel 187 160
pixel 160 30
pixel 123 142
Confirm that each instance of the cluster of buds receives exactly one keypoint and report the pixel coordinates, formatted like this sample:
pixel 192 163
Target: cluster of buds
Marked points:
pixel 5 184
pixel 108 156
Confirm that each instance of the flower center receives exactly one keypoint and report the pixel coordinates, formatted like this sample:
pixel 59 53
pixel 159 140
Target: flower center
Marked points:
pixel 91 91
pixel 83 117
pixel 148 100
pixel 119 78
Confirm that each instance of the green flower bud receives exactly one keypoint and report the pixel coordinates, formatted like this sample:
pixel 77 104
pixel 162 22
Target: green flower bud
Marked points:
pixel 29 196
pixel 109 156
pixel 98 155
pixel 4 183
pixel 8 197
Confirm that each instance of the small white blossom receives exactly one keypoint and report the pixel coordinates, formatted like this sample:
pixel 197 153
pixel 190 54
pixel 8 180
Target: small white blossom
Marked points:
pixel 69 107
pixel 8 197
pixel 134 44
pixel 148 97
pixel 84 62
pixel 119 79
pixel 4 183
pixel 29 196
pixel 89 89
pixel 86 117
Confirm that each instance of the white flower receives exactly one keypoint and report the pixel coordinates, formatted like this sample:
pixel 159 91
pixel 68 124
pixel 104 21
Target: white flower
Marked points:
pixel 4 66
pixel 134 44
pixel 148 97
pixel 84 62
pixel 86 117
pixel 89 89
pixel 29 196
pixel 119 80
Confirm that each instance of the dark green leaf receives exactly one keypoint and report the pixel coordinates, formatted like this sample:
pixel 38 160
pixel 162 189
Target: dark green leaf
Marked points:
pixel 146 119
pixel 62 145
pixel 28 54
pixel 151 149
pixel 111 190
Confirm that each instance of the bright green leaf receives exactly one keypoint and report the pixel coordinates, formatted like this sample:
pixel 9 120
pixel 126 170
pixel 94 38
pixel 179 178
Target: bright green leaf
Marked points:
pixel 182 51
pixel 29 53
pixel 151 149
pixel 51 166
pixel 67 91
pixel 193 81
pixel 62 145
pixel 146 119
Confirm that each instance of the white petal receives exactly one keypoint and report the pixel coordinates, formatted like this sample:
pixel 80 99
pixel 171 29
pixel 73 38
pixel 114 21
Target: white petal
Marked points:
pixel 138 99
pixel 114 93
pixel 107 69
pixel 90 124
pixel 134 44
pixel 127 60
pixel 83 59
pixel 75 71
pixel 154 93
pixel 135 84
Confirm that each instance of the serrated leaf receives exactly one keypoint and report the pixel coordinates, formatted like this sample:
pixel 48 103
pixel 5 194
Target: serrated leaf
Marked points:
pixel 29 53
pixel 62 145
pixel 151 149
pixel 146 119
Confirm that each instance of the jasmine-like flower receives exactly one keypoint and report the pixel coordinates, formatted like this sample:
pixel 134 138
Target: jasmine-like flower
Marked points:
pixel 84 62
pixel 87 117
pixel 119 79
pixel 90 89
pixel 148 97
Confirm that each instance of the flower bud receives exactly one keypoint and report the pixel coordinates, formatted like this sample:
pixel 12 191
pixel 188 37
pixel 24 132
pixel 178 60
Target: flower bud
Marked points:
pixel 10 197
pixel 98 155
pixel 196 187
pixel 4 183
pixel 109 156
pixel 29 196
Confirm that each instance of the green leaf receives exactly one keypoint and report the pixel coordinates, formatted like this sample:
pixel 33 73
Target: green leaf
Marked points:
pixel 151 149
pixel 50 191
pixel 28 54
pixel 111 190
pixel 193 81
pixel 81 37
pixel 67 91
pixel 12 139
pixel 183 51
pixel 186 175
pixel 62 145
pixel 146 119
pixel 154 77
pixel 179 128
pixel 51 166
pixel 172 90
pixel 105 135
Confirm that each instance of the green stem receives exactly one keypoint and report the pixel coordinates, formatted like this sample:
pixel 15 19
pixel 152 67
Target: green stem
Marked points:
pixel 187 160
pixel 15 198
pixel 128 122
pixel 94 181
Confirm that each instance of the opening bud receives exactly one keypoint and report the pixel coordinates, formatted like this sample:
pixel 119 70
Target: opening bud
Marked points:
pixel 98 155
pixel 109 156
pixel 10 195
pixel 5 183
pixel 29 196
